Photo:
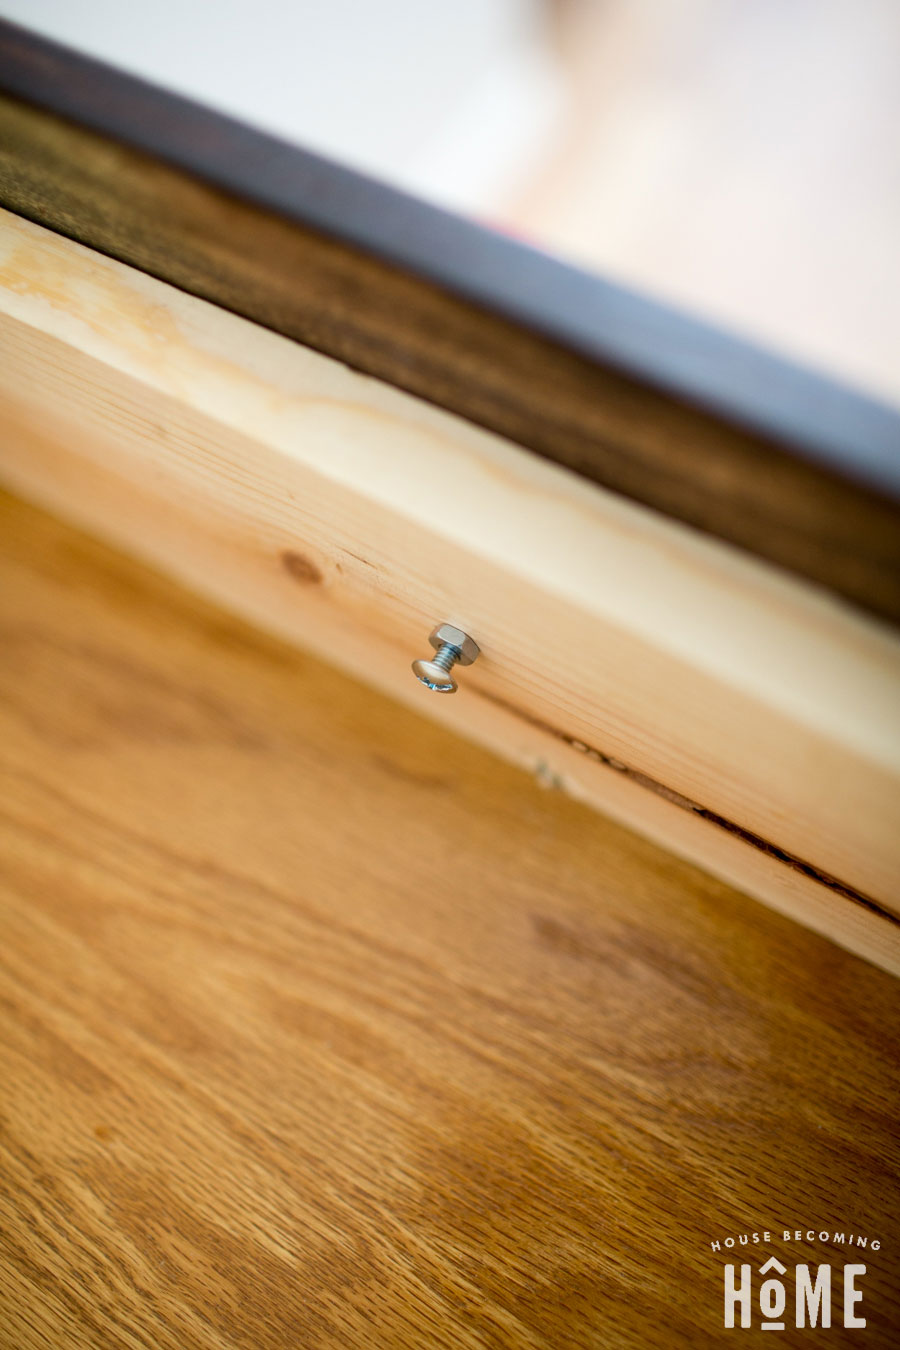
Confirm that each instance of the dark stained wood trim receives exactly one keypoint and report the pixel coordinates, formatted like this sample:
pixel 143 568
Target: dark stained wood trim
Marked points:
pixel 631 394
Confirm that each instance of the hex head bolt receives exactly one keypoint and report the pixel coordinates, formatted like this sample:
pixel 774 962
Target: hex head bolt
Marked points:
pixel 451 645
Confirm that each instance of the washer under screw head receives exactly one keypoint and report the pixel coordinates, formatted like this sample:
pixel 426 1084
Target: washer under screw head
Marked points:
pixel 451 645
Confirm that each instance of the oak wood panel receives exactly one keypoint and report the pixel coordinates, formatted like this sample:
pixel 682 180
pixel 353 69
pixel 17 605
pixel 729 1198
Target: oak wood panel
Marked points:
pixel 730 713
pixel 322 1027
pixel 658 407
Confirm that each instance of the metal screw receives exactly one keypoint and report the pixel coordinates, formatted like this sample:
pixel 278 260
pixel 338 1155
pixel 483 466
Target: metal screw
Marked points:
pixel 452 645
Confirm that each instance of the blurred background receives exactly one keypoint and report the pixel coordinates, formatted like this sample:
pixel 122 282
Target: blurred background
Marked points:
pixel 737 157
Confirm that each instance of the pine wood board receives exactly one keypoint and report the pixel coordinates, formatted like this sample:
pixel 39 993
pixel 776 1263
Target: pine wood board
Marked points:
pixel 324 1027
pixel 739 717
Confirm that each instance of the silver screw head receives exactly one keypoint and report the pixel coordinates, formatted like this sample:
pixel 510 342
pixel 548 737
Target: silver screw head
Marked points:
pixel 435 676
pixel 445 635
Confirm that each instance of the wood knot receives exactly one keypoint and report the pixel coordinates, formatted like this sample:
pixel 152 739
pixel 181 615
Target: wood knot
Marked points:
pixel 301 568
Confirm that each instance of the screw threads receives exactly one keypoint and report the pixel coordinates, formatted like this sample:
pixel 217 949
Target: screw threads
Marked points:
pixel 447 657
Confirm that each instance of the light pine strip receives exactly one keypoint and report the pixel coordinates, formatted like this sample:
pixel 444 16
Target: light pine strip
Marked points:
pixel 347 516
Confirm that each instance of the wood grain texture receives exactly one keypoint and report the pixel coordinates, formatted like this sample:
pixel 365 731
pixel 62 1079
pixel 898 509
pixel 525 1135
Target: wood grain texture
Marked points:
pixel 322 1027
pixel 695 424
pixel 736 716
